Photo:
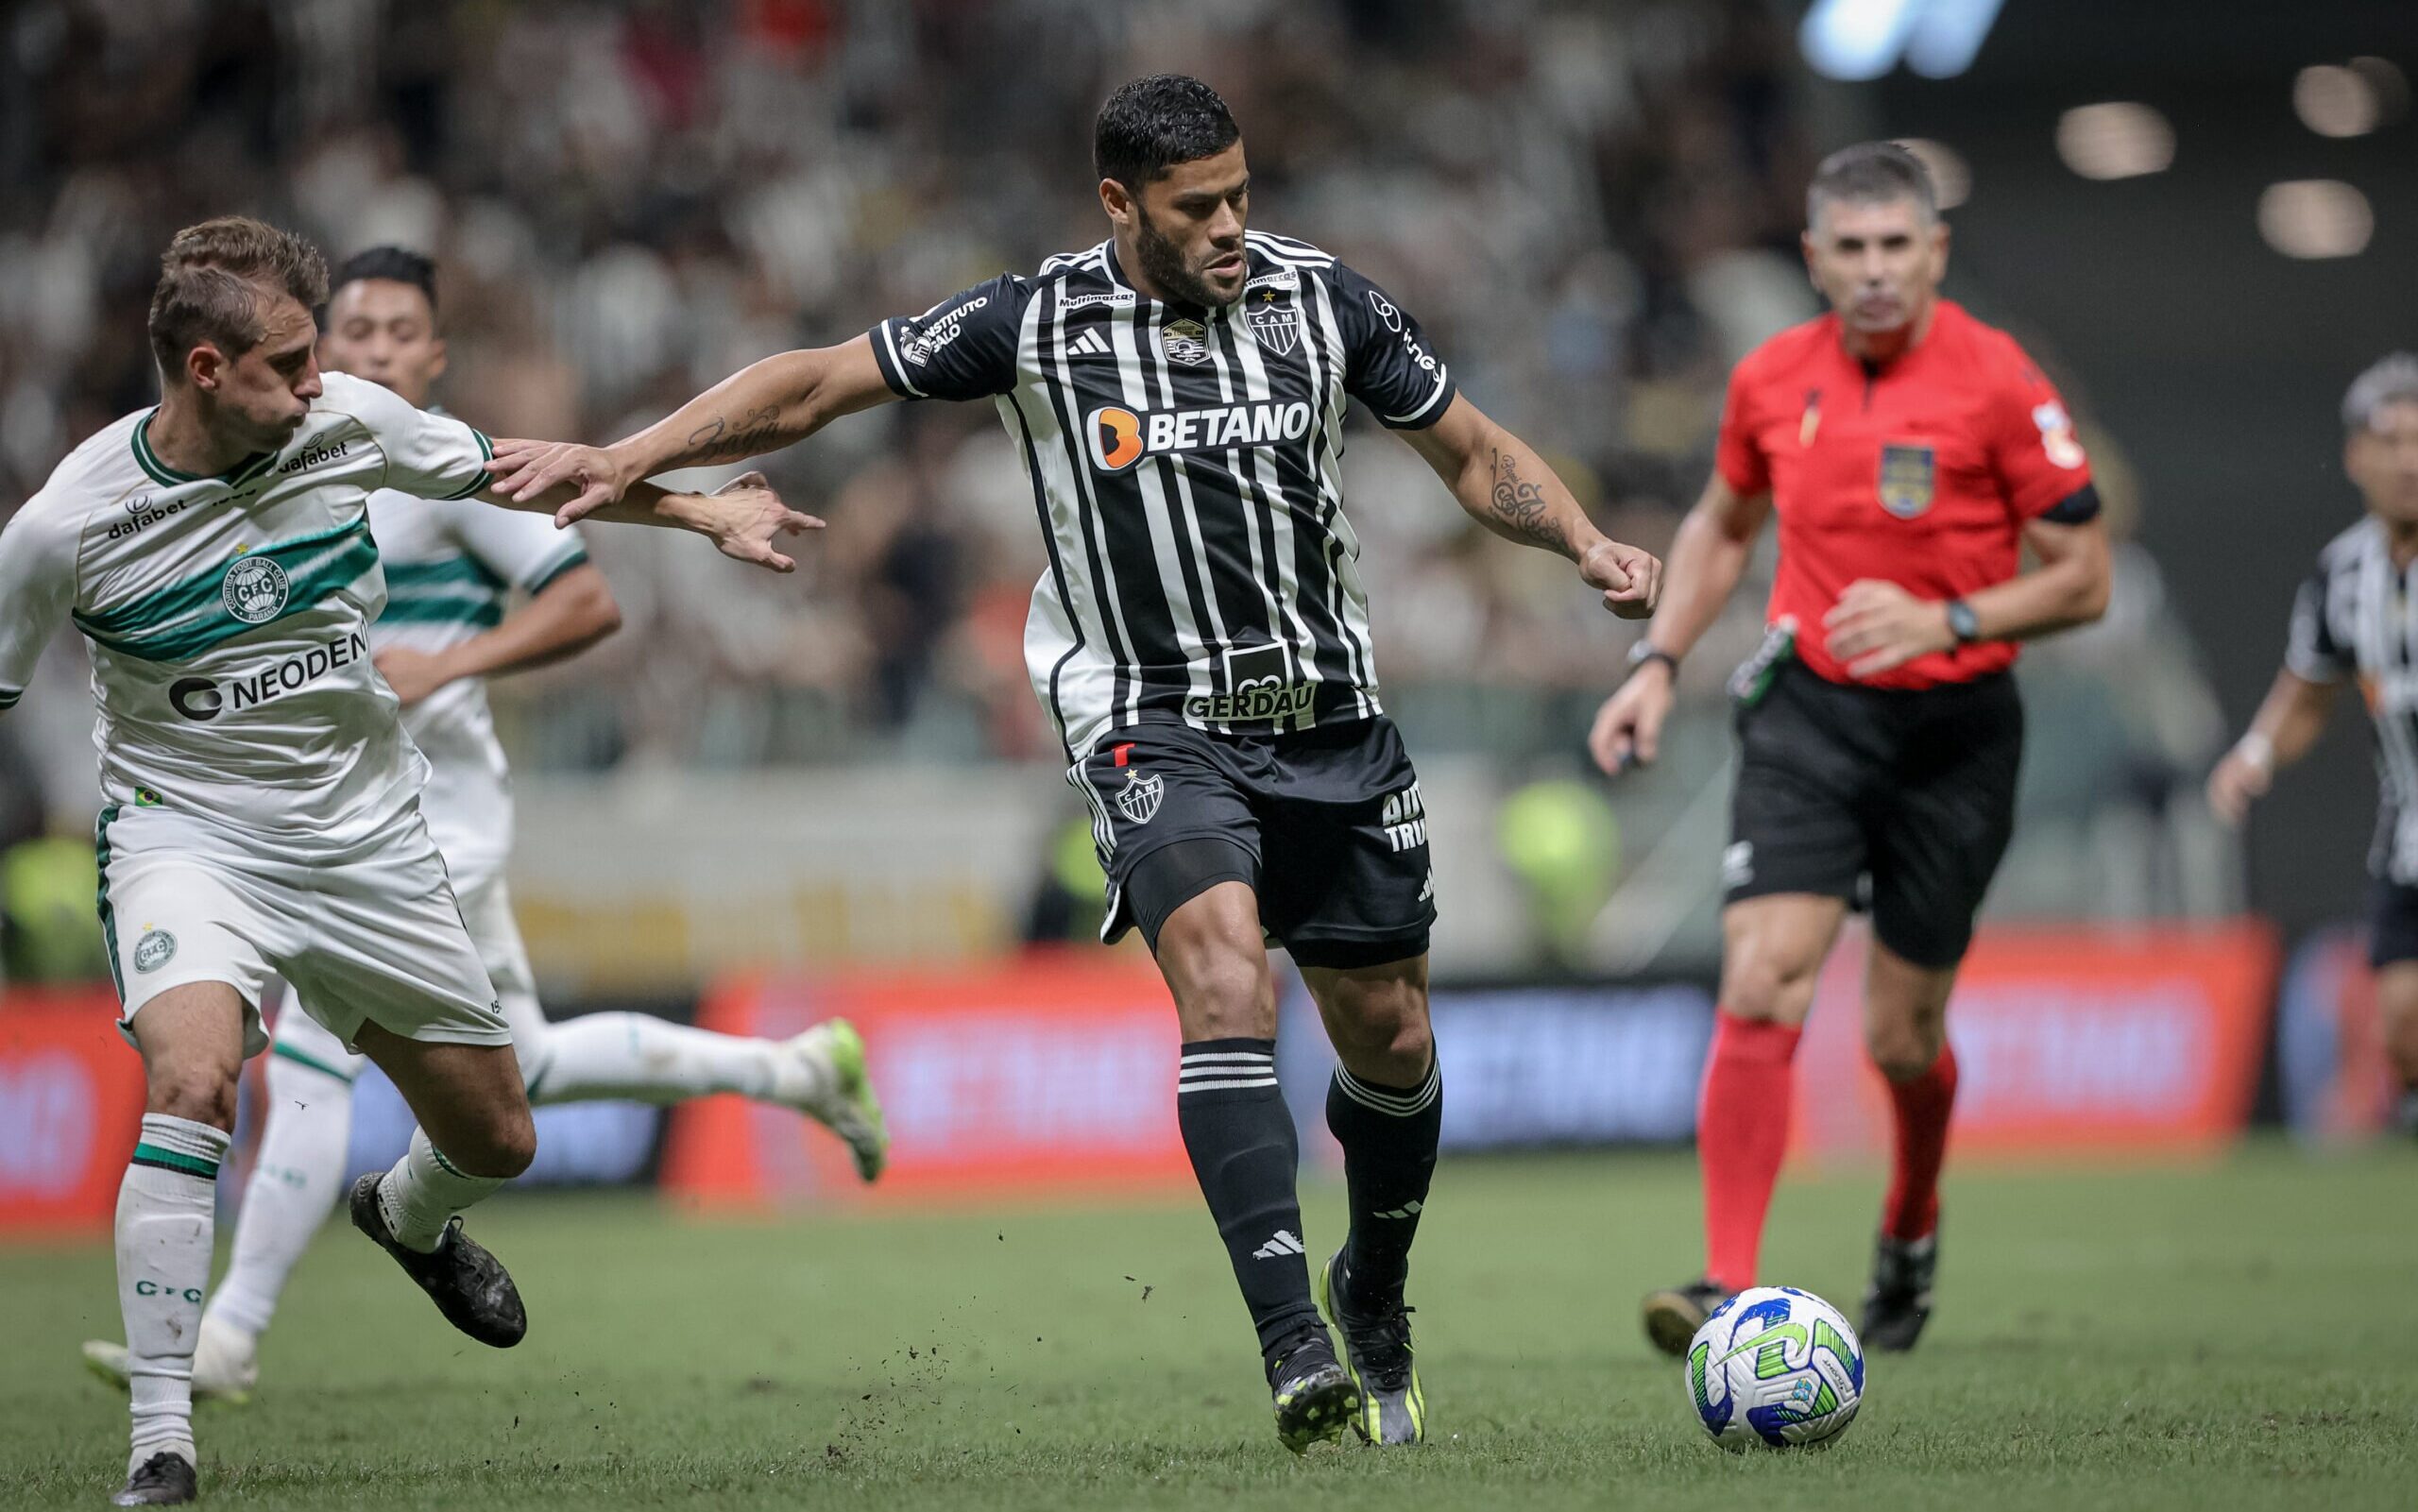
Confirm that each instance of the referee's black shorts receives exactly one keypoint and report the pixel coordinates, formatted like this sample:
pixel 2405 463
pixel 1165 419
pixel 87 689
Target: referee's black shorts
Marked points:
pixel 1910 793
pixel 1326 826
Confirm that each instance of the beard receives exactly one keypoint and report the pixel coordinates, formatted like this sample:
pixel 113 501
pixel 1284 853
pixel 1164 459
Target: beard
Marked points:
pixel 1164 262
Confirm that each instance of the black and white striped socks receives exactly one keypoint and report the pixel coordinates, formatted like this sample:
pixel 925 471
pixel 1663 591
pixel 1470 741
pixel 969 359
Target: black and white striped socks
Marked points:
pixel 1246 1157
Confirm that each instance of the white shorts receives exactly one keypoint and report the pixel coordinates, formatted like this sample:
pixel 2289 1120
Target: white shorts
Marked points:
pixel 371 937
pixel 486 910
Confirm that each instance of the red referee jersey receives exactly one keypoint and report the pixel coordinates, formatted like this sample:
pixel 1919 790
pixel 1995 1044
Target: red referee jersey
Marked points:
pixel 1923 471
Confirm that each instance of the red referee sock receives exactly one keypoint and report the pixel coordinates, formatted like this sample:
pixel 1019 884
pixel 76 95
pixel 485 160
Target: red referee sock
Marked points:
pixel 1742 1132
pixel 1912 1209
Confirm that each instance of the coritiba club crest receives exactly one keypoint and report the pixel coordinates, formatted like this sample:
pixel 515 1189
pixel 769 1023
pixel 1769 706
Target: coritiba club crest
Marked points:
pixel 253 589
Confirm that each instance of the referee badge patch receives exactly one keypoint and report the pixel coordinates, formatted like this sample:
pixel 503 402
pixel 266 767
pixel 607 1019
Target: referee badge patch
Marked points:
pixel 1906 478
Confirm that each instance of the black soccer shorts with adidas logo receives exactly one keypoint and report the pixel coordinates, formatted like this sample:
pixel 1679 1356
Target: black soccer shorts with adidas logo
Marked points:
pixel 1326 826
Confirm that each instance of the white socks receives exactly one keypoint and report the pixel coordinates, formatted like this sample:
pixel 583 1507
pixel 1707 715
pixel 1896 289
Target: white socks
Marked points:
pixel 296 1182
pixel 640 1058
pixel 165 1213
pixel 424 1191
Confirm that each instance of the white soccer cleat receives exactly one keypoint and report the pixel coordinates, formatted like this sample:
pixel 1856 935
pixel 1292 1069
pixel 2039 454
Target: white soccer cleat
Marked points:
pixel 226 1363
pixel 822 1076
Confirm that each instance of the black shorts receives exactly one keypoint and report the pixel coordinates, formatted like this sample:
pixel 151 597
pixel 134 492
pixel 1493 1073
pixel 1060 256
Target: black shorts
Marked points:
pixel 1325 824
pixel 2392 922
pixel 1907 792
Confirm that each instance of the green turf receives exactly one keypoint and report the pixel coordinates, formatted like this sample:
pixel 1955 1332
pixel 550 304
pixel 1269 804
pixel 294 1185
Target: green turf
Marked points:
pixel 2245 1337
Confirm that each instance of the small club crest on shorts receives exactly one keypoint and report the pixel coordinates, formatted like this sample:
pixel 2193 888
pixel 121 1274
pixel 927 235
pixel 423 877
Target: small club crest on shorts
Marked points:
pixel 1138 800
pixel 1907 479
pixel 154 950
pixel 254 589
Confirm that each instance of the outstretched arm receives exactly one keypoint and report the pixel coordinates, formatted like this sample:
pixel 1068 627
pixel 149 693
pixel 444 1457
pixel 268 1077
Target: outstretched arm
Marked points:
pixel 761 408
pixel 743 517
pixel 569 614
pixel 2289 722
pixel 1506 487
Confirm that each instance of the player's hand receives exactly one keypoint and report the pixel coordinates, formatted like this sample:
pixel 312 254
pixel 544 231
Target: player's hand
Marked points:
pixel 1877 625
pixel 1629 579
pixel 2240 779
pixel 745 517
pixel 413 674
pixel 1630 725
pixel 523 469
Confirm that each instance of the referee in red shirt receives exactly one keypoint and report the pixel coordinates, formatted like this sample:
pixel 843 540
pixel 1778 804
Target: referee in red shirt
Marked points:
pixel 1912 454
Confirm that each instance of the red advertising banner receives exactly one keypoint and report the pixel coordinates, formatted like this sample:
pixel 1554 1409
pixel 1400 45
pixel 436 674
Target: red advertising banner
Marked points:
pixel 2068 1039
pixel 1045 1072
pixel 71 1107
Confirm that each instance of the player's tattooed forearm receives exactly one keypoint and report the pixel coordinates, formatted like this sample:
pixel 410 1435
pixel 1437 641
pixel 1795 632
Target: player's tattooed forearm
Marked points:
pixel 719 440
pixel 1520 505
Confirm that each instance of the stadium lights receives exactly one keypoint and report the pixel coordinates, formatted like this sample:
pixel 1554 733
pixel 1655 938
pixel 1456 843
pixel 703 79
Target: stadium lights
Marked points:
pixel 1859 40
pixel 2119 139
pixel 2334 101
pixel 2315 218
pixel 1952 177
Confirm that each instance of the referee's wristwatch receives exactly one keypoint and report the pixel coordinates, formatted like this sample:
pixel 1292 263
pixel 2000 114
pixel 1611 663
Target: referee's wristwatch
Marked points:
pixel 1962 622
pixel 1646 651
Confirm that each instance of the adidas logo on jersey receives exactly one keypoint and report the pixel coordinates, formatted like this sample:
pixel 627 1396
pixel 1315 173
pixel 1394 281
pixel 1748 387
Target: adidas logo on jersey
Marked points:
pixel 1090 343
pixel 1285 1242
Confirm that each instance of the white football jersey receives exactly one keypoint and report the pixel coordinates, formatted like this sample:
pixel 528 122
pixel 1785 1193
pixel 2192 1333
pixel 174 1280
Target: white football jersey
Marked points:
pixel 229 616
pixel 450 567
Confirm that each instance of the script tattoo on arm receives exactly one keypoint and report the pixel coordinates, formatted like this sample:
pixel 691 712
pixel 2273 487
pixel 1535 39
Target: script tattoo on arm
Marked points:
pixel 718 440
pixel 1520 505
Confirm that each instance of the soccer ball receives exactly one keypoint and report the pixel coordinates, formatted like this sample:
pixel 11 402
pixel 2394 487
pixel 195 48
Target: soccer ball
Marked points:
pixel 1778 1366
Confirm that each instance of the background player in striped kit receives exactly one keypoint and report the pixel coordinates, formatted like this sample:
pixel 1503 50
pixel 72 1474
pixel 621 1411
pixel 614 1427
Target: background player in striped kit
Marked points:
pixel 2354 620
pixel 1201 640
pixel 449 565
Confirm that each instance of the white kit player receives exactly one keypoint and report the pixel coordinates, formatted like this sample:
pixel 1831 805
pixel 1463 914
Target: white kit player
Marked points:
pixel 448 566
pixel 262 811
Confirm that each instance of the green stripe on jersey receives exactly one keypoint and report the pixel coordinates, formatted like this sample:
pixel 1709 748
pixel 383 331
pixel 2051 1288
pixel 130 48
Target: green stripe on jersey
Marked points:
pixel 479 479
pixel 440 573
pixel 169 1160
pixel 544 577
pixel 443 610
pixel 9 700
pixel 101 897
pixel 148 460
pixel 186 618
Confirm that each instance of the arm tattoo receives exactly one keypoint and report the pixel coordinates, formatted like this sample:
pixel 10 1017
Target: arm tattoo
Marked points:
pixel 1520 505
pixel 718 440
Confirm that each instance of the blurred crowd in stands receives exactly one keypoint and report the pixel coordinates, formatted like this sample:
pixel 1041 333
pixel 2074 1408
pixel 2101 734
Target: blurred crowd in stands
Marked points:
pixel 1593 206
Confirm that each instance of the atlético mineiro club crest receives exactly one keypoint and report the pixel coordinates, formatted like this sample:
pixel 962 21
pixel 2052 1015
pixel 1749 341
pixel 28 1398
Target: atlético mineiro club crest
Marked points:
pixel 1277 327
pixel 1907 476
pixel 1138 800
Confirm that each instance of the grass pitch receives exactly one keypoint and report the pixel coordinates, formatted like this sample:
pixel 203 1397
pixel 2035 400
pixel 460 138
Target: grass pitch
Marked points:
pixel 2239 1336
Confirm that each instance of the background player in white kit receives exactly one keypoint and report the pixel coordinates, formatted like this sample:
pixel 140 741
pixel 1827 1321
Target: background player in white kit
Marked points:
pixel 262 808
pixel 448 566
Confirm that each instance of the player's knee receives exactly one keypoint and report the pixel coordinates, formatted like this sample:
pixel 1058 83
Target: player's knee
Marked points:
pixel 1766 986
pixel 1904 1052
pixel 203 1092
pixel 501 1145
pixel 1387 1032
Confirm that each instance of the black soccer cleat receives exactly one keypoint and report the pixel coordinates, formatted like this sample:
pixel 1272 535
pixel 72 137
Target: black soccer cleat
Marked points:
pixel 1673 1315
pixel 1377 1352
pixel 166 1479
pixel 468 1284
pixel 1898 1303
pixel 1315 1396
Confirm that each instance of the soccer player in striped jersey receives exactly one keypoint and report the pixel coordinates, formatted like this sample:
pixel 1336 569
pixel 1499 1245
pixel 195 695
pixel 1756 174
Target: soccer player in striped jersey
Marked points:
pixel 449 565
pixel 262 801
pixel 1200 638
pixel 2352 625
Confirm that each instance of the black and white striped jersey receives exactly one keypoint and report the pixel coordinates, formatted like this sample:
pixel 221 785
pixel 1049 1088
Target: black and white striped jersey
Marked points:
pixel 2357 617
pixel 1186 464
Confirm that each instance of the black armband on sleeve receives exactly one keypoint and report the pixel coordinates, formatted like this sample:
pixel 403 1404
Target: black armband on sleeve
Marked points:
pixel 2077 508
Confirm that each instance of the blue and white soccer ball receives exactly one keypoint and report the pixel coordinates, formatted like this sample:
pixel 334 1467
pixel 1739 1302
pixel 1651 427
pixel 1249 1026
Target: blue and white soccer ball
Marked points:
pixel 1778 1366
